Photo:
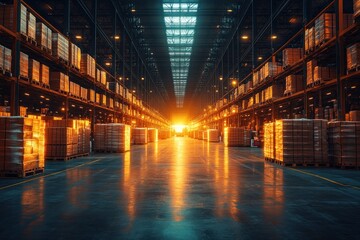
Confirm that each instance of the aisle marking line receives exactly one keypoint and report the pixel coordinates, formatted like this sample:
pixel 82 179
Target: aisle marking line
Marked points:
pixel 48 175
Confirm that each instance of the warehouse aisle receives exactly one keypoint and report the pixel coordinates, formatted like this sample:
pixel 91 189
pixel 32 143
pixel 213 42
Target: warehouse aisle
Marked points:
pixel 180 188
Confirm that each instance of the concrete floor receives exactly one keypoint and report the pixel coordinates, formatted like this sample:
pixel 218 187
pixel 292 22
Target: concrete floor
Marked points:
pixel 181 188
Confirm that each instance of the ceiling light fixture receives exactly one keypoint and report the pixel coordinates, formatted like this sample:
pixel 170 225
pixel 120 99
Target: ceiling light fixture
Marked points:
pixel 117 37
pixel 78 37
pixel 245 37
pixel 273 37
pixel 260 58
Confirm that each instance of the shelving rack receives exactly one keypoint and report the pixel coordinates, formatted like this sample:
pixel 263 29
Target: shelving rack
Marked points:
pixel 134 105
pixel 244 57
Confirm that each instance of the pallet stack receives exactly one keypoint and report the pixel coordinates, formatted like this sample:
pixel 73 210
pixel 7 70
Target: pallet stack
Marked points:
pixel 112 137
pixel 7 17
pixel 21 146
pixel 88 66
pixel 353 56
pixel 294 83
pixel 324 28
pixel 324 73
pixel 60 47
pixel 75 56
pixel 83 132
pixel 31 26
pixel 139 136
pixel 213 135
pixel 291 56
pixel 45 75
pixel 310 66
pixel 269 141
pixel 153 135
pixel 24 65
pixel 59 81
pixel 34 69
pixel 237 137
pixel 309 39
pixel 44 36
pixel 344 143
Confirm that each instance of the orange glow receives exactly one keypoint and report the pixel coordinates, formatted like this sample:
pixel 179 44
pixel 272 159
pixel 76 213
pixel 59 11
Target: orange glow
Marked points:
pixel 179 128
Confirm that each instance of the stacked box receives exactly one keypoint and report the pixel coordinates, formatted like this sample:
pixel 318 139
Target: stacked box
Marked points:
pixel 88 66
pixel 103 79
pixel 103 100
pixel 248 87
pixel 84 133
pixel 20 145
pixel 7 59
pixel 353 56
pixel 110 103
pixel 7 17
pixel 270 69
pixel 99 137
pixel 75 56
pixel 31 25
pixel 59 81
pixel 310 66
pixel 237 137
pixel 354 115
pixel 34 67
pixel 269 140
pixel 324 73
pixel 213 135
pixel 83 93
pixel 164 134
pixel 344 143
pixel 140 135
pixel 325 28
pixel 44 36
pixel 309 39
pixel 113 137
pixel 294 83
pixel 356 8
pixel 97 98
pixel 45 75
pixel 301 141
pixel 256 78
pixel 291 56
pixel 60 46
pixel 153 135
pixel 272 92
pixel 91 96
pixel 24 65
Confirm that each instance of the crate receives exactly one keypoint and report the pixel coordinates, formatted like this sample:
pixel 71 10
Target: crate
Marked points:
pixel 88 66
pixel 44 36
pixel 139 136
pixel 24 65
pixel 45 75
pixel 353 57
pixel 237 137
pixel 59 81
pixel 34 69
pixel 60 47
pixel 294 83
pixel 290 56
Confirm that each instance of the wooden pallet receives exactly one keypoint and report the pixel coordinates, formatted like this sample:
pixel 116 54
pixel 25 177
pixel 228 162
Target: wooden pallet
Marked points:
pixel 21 174
pixel 353 69
pixel 26 78
pixel 287 93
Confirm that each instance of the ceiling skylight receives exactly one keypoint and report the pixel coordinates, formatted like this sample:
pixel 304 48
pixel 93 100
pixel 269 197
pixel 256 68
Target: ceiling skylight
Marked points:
pixel 180 21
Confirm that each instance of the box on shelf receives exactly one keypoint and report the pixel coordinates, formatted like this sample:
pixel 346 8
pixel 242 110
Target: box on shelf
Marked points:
pixel 294 83
pixel 45 75
pixel 324 73
pixel 59 81
pixel 270 69
pixel 213 135
pixel 354 115
pixel 24 65
pixel 7 59
pixel 353 56
pixel 344 147
pixel 44 36
pixel 269 140
pixel 310 66
pixel 139 135
pixel 91 96
pixel 88 66
pixel 31 26
pixel 291 56
pixel 75 56
pixel 60 46
pixel 325 28
pixel 309 39
pixel 34 67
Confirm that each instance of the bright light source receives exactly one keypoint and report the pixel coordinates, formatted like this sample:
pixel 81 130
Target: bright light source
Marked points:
pixel 142 78
pixel 134 91
pixel 220 78
pixel 329 93
pixel 133 10
pixel 229 10
pixel 150 91
pixel 353 87
pixel 273 37
pixel 78 37
pixel 62 109
pixel 117 37
pixel 107 64
pixel 178 128
pixel 260 58
pixel 26 94
pixel 233 83
pixel 245 37
pixel 120 78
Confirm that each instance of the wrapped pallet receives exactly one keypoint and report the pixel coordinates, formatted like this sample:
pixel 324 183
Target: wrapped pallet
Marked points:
pixel 44 36
pixel 98 98
pixel 20 146
pixel 325 28
pixel 153 135
pixel 310 66
pixel 294 83
pixel 103 78
pixel 270 69
pixel 60 46
pixel 112 137
pixel 88 66
pixel 75 56
pixel 24 65
pixel 99 137
pixel 91 96
pixel 256 78
pixel 84 93
pixel 31 26
pixel 324 73
pixel 353 56
pixel 213 135
pixel 59 81
pixel 45 75
pixel 344 143
pixel 237 137
pixel 83 132
pixel 269 141
pixel 140 136
pixel 34 68
pixel 309 39
pixel 7 59
pixel 291 56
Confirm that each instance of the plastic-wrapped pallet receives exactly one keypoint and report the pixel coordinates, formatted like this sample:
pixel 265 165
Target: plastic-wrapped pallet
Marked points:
pixel 75 56
pixel 99 137
pixel 153 135
pixel 24 65
pixel 353 56
pixel 310 66
pixel 324 28
pixel 59 81
pixel 44 36
pixel 294 83
pixel 7 59
pixel 140 135
pixel 60 46
pixel 45 75
pixel 237 137
pixel 31 25
pixel 324 73
pixel 88 66
pixel 213 135
pixel 20 145
pixel 91 96
pixel 34 67
pixel 309 39
pixel 291 56
pixel 344 143
pixel 117 137
pixel 269 140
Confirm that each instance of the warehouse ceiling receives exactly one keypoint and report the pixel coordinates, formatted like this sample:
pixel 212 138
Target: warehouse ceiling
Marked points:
pixel 184 45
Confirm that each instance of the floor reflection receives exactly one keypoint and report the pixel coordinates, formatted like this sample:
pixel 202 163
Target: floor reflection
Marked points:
pixel 129 186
